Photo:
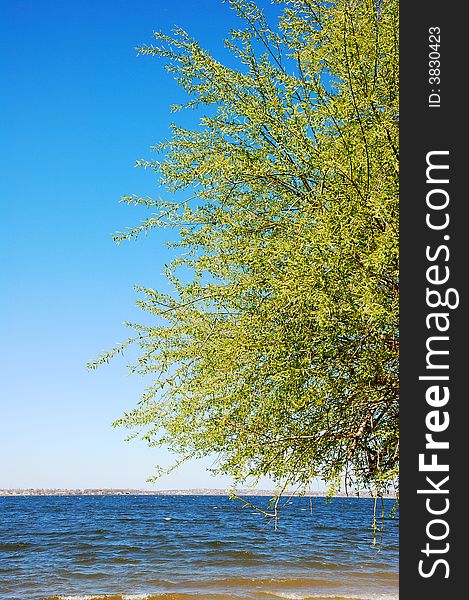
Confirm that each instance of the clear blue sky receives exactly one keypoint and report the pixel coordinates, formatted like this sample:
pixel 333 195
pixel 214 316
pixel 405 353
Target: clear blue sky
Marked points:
pixel 77 109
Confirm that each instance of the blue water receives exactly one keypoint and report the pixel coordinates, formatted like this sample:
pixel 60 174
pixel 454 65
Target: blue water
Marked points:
pixel 178 547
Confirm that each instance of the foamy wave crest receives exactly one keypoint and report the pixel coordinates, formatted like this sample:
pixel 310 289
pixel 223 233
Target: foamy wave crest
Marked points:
pixel 79 597
pixel 104 597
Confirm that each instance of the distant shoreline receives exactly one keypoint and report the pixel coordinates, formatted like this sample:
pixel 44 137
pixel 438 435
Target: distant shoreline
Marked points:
pixel 188 492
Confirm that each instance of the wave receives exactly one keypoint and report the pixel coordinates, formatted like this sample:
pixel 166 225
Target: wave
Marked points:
pixel 104 597
pixel 239 553
pixel 79 575
pixel 9 547
pixel 381 586
pixel 224 596
pixel 335 596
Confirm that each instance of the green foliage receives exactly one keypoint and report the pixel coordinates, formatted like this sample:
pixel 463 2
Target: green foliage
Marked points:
pixel 278 348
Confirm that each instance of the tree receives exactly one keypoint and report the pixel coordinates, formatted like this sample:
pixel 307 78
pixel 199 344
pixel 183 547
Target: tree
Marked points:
pixel 278 348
